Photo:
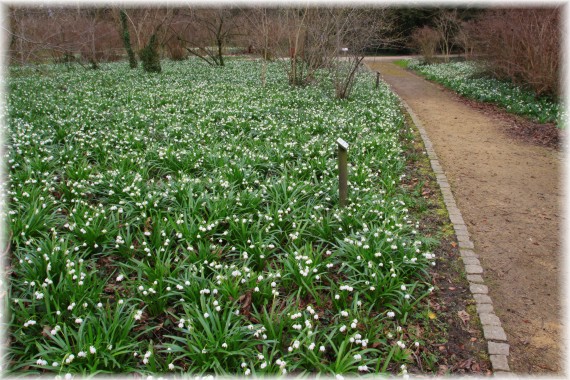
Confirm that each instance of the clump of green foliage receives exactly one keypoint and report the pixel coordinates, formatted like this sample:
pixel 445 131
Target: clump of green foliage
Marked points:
pixel 150 56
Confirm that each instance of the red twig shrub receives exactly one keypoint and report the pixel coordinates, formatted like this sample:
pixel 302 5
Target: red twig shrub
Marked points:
pixel 522 45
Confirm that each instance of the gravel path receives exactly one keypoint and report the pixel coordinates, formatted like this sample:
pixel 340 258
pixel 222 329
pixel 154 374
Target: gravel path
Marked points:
pixel 510 196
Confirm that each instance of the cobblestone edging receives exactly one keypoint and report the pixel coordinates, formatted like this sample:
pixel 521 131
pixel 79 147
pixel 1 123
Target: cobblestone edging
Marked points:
pixel 497 344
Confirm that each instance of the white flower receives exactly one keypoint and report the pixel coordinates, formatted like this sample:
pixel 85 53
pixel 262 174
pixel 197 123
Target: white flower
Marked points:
pixel 81 354
pixel 224 345
pixel 41 362
pixel 390 314
pixel 357 357
pixel 206 315
pixel 92 349
pixel 322 348
pixel 171 366
pixel 342 328
pixel 363 368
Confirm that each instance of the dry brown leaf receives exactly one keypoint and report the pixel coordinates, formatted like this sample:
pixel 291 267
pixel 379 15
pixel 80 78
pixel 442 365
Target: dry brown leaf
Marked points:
pixel 464 316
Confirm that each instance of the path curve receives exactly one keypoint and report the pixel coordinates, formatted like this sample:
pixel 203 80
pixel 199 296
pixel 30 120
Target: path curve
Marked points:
pixel 510 195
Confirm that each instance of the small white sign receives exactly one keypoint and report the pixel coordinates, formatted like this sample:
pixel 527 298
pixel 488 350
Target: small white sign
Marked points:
pixel 343 144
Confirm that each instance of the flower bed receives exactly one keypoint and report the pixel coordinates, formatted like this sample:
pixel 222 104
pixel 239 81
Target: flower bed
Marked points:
pixel 188 221
pixel 466 79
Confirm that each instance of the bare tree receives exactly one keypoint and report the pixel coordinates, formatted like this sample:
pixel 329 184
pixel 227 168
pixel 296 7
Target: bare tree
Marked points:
pixel 335 39
pixel 264 34
pixel 207 32
pixel 447 25
pixel 464 38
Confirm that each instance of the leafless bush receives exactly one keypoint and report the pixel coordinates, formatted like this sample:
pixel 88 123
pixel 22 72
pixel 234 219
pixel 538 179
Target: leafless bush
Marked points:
pixel 425 40
pixel 522 45
pixel 66 34
pixel 464 38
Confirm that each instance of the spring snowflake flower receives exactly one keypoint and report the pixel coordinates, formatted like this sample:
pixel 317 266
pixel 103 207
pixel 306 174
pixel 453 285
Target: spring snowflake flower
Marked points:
pixel 171 366
pixel 391 314
pixel 41 362
pixel 81 354
pixel 92 350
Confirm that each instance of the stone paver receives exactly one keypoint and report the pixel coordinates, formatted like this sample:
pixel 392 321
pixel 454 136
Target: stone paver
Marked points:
pixel 499 362
pixel 466 244
pixel 484 308
pixel 489 319
pixel 473 269
pixel 494 333
pixel 482 298
pixel 467 253
pixel 471 261
pixel 478 289
pixel 498 348
pixel 475 278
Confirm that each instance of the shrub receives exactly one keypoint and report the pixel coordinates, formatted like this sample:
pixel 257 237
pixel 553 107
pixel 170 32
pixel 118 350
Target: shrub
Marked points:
pixel 425 41
pixel 522 45
pixel 150 57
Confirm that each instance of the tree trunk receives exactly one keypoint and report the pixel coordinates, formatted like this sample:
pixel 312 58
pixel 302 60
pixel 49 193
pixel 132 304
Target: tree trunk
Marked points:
pixel 127 39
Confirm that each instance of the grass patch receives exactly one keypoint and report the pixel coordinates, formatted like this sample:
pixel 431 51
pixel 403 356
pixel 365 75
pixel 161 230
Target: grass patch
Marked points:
pixel 402 63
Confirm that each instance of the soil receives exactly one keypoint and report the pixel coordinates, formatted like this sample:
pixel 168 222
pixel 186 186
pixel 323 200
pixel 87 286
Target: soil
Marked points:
pixel 505 174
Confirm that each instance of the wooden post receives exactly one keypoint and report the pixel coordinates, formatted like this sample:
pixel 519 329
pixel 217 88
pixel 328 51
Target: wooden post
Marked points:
pixel 342 171
pixel 377 78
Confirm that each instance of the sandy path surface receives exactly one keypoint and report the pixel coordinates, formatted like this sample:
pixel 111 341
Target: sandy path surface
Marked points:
pixel 510 195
